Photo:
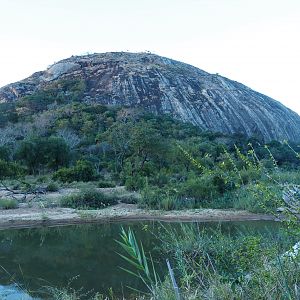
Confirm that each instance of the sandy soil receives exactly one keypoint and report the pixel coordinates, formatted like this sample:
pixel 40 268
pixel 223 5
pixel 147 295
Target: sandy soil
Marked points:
pixel 34 217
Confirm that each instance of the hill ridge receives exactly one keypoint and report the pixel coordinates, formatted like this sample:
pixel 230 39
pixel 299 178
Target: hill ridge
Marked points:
pixel 165 86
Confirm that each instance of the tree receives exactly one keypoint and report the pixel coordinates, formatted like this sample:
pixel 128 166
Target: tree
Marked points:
pixel 118 136
pixel 69 136
pixel 39 152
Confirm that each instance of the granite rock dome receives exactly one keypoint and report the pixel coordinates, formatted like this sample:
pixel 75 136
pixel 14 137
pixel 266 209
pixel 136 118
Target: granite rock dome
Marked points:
pixel 165 86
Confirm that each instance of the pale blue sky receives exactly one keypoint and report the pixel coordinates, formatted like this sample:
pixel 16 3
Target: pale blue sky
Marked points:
pixel 255 42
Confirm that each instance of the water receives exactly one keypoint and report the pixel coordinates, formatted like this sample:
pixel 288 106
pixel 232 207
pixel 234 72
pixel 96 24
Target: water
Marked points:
pixel 82 257
pixel 14 292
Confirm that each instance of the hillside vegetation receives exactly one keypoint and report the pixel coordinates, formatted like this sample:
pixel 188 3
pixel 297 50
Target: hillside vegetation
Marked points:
pixel 52 134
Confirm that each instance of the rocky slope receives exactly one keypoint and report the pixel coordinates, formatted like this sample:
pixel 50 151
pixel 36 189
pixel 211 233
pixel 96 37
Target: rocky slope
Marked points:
pixel 166 86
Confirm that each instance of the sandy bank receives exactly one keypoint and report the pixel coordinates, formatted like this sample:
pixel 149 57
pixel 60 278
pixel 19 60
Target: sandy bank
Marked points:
pixel 34 217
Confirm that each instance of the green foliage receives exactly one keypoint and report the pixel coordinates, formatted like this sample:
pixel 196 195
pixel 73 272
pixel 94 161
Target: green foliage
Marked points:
pixel 216 264
pixel 135 183
pixel 8 203
pixel 136 257
pixel 129 199
pixel 151 197
pixel 40 152
pixel 259 197
pixel 165 199
pixel 4 153
pixel 52 187
pixel 212 264
pixel 82 171
pixel 10 170
pixel 59 92
pixel 105 184
pixel 8 114
pixel 88 199
pixel 249 175
pixel 195 168
pixel 202 189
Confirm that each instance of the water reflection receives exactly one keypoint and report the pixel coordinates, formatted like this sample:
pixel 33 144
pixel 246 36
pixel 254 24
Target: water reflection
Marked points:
pixel 78 256
pixel 12 292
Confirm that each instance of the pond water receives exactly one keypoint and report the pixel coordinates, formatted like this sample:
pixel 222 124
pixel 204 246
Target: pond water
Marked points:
pixel 82 257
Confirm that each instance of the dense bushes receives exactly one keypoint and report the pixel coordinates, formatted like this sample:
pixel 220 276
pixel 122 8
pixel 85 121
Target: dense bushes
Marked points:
pixel 40 152
pixel 59 92
pixel 52 187
pixel 135 183
pixel 82 171
pixel 247 189
pixel 88 199
pixel 4 153
pixel 222 264
pixel 10 170
pixel 8 113
pixel 166 199
pixel 135 149
pixel 202 188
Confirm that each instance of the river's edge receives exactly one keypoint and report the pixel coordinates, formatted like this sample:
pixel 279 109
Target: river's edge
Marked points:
pixel 36 217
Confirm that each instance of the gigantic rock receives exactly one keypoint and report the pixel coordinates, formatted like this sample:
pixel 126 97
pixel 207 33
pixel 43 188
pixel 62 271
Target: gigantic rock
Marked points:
pixel 165 86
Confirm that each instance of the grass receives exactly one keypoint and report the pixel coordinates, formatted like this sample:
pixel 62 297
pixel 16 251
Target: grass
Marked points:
pixel 8 204
pixel 106 184
pixel 258 195
pixel 129 199
pixel 88 199
pixel 136 257
pixel 71 294
pixel 81 185
pixel 213 265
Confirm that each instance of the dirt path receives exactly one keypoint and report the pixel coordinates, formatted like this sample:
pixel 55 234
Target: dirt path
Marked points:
pixel 34 217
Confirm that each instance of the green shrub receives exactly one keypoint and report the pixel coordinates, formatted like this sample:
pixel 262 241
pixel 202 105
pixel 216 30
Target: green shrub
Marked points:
pixel 8 204
pixel 135 183
pixel 249 175
pixel 105 184
pixel 82 171
pixel 169 202
pixel 130 199
pixel 151 197
pixel 52 187
pixel 202 189
pixel 208 251
pixel 165 199
pixel 42 179
pixel 227 200
pixel 290 176
pixel 10 170
pixel 37 152
pixel 4 153
pixel 205 188
pixel 88 199
pixel 258 198
pixel 160 178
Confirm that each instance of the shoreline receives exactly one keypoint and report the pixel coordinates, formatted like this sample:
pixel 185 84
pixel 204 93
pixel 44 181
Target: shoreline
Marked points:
pixel 50 217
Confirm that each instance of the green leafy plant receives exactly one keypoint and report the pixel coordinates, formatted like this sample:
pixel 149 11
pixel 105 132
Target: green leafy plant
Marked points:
pixel 8 203
pixel 105 184
pixel 52 187
pixel 88 199
pixel 82 171
pixel 136 257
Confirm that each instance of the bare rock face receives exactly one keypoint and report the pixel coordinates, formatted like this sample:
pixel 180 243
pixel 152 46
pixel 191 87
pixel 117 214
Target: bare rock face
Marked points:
pixel 165 86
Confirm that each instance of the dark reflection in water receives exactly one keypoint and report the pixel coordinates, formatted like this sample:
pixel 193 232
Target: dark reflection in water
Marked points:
pixel 83 256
